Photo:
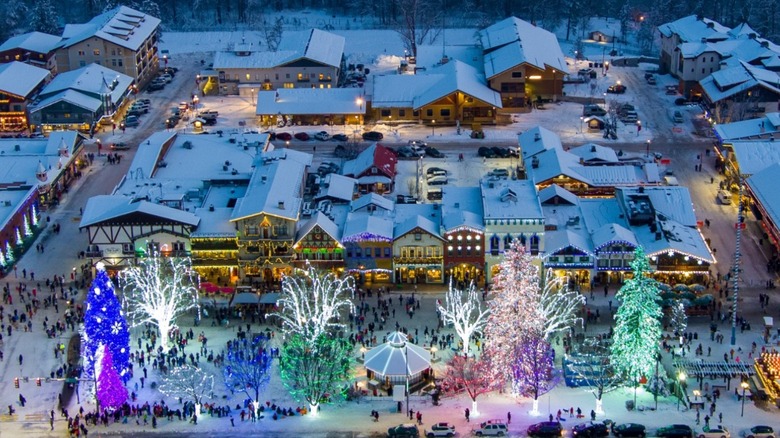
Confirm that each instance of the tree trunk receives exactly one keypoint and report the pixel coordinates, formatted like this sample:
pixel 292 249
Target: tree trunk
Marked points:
pixel 535 409
pixel 599 407
pixel 313 408
pixel 164 327
pixel 474 410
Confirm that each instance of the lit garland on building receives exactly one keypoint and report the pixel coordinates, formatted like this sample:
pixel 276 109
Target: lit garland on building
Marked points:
pixel 34 215
pixel 27 230
pixel 367 237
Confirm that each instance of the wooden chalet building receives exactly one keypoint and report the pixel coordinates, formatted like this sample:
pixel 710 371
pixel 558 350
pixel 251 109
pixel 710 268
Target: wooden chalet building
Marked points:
pixel 121 230
pixel 418 246
pixel 368 239
pixel 318 242
pixel 34 48
pixel 19 85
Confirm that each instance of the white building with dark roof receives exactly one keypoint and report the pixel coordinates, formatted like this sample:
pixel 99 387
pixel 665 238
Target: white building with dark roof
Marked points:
pixel 122 39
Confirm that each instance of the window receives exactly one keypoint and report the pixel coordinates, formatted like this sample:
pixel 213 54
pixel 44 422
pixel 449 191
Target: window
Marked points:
pixel 401 113
pixel 368 252
pixel 616 263
pixel 96 52
pixel 445 112
pixel 602 263
pixel 377 252
pixel 119 62
pixel 82 64
pixel 494 242
pixel 153 247
pixel 388 252
pixel 385 113
pixel 449 250
pixel 517 74
pixel 179 246
pixel 507 241
pixel 349 252
pixel 127 248
pixel 416 113
pixel 82 53
pixel 113 52
pixel 113 62
pixel 358 252
pixel 417 236
pixel 289 85
pixel 429 112
pixel 512 87
pixel 248 76
pixel 534 245
pixel 287 75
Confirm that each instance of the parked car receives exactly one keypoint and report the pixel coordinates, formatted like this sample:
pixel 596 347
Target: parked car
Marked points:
pixel 616 89
pixel 437 180
pixel 714 432
pixel 676 116
pixel 590 430
pixel 405 199
pixel 724 197
pixel 545 429
pixel 626 430
pixel 434 193
pixel 154 86
pixel 432 171
pixel 322 136
pixel 373 136
pixel 339 137
pixel 593 110
pixel 681 101
pixel 133 111
pixel 491 428
pixel 417 144
pixel 404 431
pixel 501 152
pixel 119 146
pixel 440 429
pixel 500 173
pixel 132 121
pixel 166 77
pixel 758 432
pixel 651 80
pixel 284 136
pixel 143 106
pixel 433 152
pixel 675 431
pixel 405 152
pixel 486 152
pixel 302 136
pixel 184 106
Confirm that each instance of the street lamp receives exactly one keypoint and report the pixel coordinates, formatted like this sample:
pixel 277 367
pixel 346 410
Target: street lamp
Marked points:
pixel 638 127
pixel 433 127
pixel 680 381
pixel 433 352
pixel 744 386
pixel 647 151
pixel 582 118
pixel 252 90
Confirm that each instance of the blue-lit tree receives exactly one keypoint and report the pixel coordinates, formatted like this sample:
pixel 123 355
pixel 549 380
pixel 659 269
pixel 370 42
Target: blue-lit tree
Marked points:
pixel 248 366
pixel 533 370
pixel 104 324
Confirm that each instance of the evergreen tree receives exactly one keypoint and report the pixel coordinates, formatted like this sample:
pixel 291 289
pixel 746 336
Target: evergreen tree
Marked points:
pixel 43 17
pixel 111 393
pixel 104 324
pixel 678 318
pixel 638 326
pixel 533 372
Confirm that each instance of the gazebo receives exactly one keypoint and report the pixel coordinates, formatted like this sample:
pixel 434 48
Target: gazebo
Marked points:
pixel 398 359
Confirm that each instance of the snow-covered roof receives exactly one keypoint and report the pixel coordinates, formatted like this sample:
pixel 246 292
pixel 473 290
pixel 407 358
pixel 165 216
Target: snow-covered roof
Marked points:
pixel 672 202
pixel 691 28
pixel 754 156
pixel 431 56
pixel 11 202
pixel 416 91
pixel 315 45
pixel 276 185
pixel 337 187
pixel 397 357
pixel 510 199
pixel 512 42
pixel 149 154
pixel 37 42
pixel 105 208
pixel 416 222
pixel 552 163
pixel 536 140
pixel 122 26
pixel 21 79
pixel 364 223
pixel 763 185
pixel 462 207
pixel 324 222
pixel 594 153
pixel 730 81
pixel 302 101
pixel 557 240
pixel 554 190
pixel 214 223
pixel 375 155
pixel 71 96
pixel 374 199
pixel 93 80
pixel 48 157
pixel 609 233
pixel 767 125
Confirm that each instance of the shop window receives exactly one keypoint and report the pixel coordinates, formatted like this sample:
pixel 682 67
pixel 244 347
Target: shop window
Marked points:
pixel 388 252
pixel 494 242
pixel 534 245
pixel 368 252
pixel 377 252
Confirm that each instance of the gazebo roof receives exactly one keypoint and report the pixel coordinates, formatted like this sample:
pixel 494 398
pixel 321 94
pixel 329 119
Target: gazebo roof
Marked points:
pixel 398 357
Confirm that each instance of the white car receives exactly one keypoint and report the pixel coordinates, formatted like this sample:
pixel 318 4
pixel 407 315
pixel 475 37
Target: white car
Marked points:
pixel 437 180
pixel 440 429
pixel 758 432
pixel 322 136
pixel 491 428
pixel 714 432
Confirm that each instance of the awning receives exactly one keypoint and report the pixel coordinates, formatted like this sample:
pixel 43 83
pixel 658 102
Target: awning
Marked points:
pixel 374 179
pixel 269 298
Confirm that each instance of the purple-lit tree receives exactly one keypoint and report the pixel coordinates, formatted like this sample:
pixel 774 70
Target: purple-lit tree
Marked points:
pixel 111 393
pixel 533 370
pixel 471 374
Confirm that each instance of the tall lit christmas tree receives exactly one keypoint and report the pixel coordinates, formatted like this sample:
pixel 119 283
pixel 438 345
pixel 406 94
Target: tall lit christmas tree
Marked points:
pixel 533 372
pixel 104 324
pixel 514 310
pixel 111 393
pixel 27 230
pixel 638 323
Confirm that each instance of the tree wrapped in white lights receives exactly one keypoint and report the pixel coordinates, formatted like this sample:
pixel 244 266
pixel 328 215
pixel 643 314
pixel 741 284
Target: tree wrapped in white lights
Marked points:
pixel 638 323
pixel 592 365
pixel 471 374
pixel 533 372
pixel 678 318
pixel 559 305
pixel 463 309
pixel 158 290
pixel 188 381
pixel 311 303
pixel 514 310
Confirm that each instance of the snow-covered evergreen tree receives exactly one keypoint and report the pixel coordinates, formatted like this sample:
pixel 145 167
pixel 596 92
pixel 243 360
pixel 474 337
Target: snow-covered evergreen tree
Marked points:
pixel 638 325
pixel 43 17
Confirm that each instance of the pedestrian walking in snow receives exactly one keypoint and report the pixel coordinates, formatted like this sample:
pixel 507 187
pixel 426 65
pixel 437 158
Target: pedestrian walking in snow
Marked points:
pixel 467 415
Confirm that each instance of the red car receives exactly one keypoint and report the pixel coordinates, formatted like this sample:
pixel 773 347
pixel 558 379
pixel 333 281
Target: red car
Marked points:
pixel 284 136
pixel 302 136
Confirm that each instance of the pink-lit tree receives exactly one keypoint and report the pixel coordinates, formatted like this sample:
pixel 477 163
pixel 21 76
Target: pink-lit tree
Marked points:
pixel 110 391
pixel 533 372
pixel 514 310
pixel 469 374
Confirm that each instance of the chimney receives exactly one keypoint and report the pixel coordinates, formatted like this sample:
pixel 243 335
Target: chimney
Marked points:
pixel 211 207
pixel 281 205
pixel 711 24
pixel 537 137
pixel 263 179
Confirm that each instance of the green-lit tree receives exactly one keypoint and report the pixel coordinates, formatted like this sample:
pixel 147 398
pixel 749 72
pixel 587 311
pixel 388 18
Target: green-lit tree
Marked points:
pixel 315 371
pixel 638 323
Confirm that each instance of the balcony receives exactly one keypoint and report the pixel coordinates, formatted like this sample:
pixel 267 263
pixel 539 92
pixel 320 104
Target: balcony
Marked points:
pixel 418 260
